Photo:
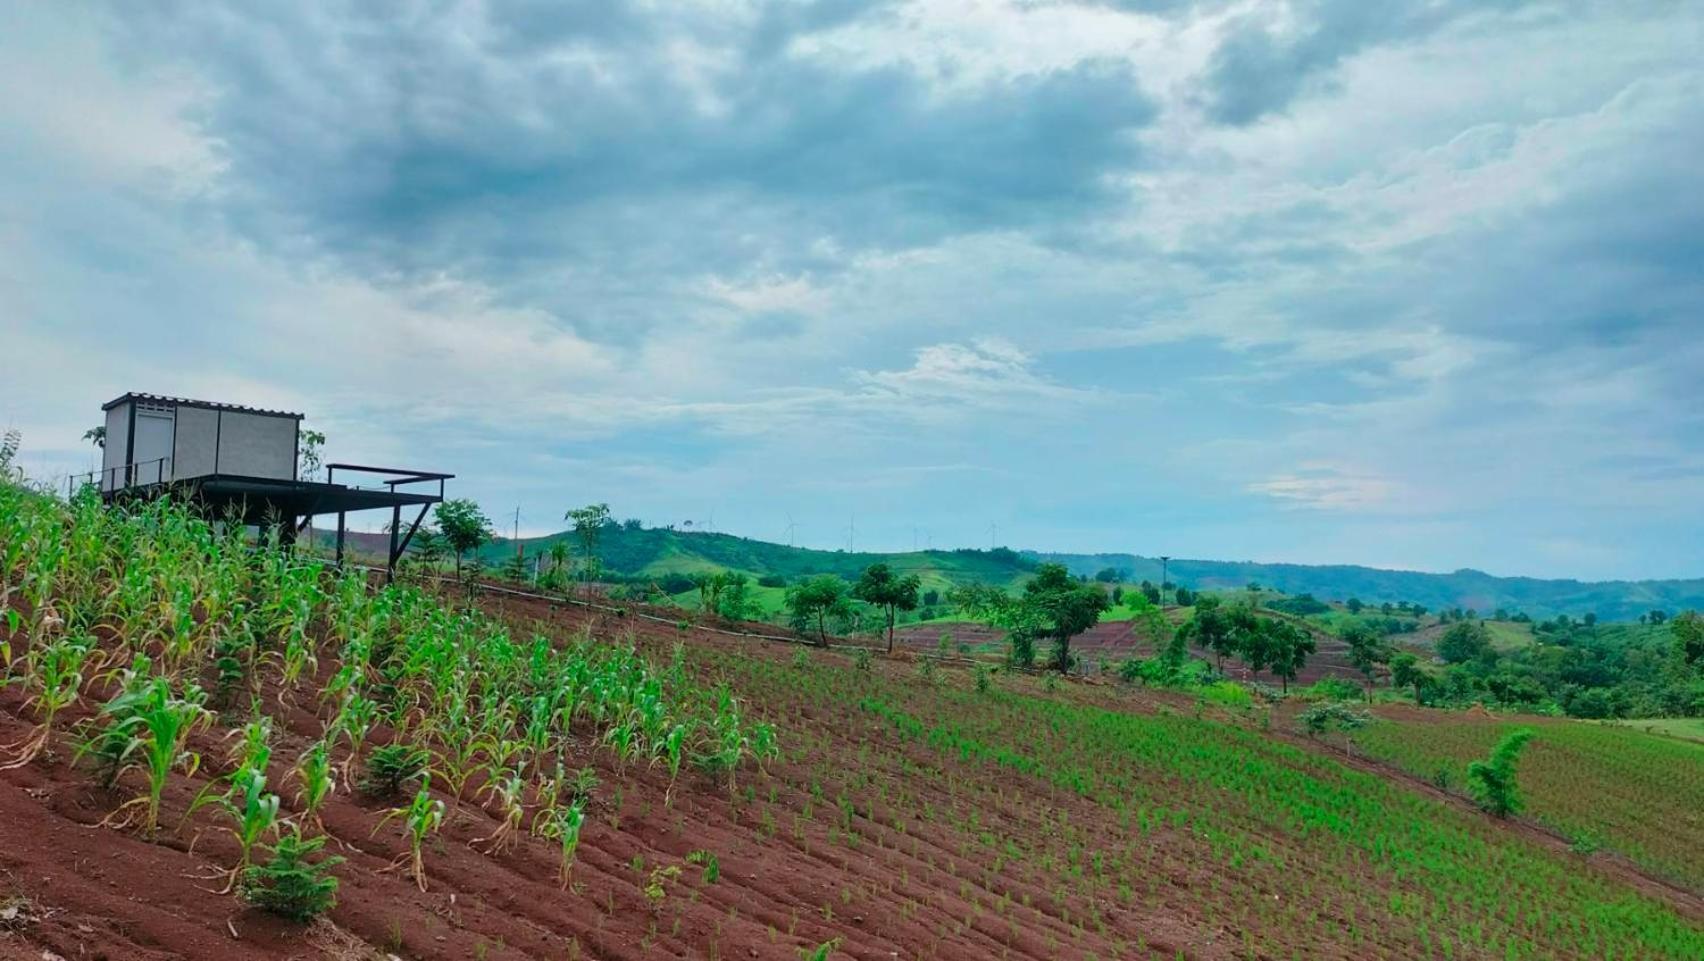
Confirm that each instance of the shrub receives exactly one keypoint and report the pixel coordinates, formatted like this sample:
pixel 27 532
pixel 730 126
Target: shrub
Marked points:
pixel 1321 718
pixel 290 885
pixel 861 659
pixel 1492 780
pixel 1227 694
pixel 392 766
pixel 1332 689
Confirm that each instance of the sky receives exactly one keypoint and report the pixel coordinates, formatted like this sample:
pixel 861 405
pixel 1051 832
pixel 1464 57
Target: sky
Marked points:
pixel 1413 285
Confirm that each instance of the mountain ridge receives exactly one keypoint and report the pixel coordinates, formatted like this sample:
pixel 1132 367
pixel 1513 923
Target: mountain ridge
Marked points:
pixel 660 551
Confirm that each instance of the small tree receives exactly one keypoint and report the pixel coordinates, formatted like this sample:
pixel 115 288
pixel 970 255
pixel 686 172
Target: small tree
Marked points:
pixel 1492 781
pixel 1288 647
pixel 1405 671
pixel 818 599
pixel 589 523
pixel 1367 650
pixel 1464 641
pixel 290 885
pixel 878 585
pixel 464 526
pixel 1064 608
pixel 1688 631
pixel 1212 628
pixel 96 436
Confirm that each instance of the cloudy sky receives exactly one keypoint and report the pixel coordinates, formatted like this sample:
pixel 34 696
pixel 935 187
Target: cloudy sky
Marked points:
pixel 1411 284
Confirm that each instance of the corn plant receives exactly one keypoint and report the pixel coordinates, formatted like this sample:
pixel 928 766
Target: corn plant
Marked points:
pixel 508 791
pixel 60 680
pixel 314 774
pixel 153 739
pixel 563 824
pixel 421 818
pixel 252 811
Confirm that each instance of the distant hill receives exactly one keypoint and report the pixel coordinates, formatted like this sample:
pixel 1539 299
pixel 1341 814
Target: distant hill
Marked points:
pixel 659 551
pixel 655 552
pixel 1467 588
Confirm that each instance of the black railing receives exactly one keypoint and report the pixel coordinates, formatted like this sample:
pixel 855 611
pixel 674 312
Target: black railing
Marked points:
pixel 139 474
pixel 395 477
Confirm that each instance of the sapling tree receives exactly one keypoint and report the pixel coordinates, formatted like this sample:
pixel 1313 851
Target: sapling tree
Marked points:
pixel 589 522
pixel 1405 671
pixel 464 526
pixel 815 601
pixel 289 884
pixel 1211 627
pixel 1492 781
pixel 1288 647
pixel 880 586
pixel 1367 650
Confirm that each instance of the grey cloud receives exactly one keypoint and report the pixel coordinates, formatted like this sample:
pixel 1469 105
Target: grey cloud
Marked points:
pixel 416 145
pixel 1257 70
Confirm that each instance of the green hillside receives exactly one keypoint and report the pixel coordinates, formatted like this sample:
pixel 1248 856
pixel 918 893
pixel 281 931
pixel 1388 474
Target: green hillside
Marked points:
pixel 654 552
pixel 1466 588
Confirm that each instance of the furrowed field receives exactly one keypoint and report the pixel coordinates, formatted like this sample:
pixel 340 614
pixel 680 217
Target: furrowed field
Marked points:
pixel 520 779
pixel 1634 793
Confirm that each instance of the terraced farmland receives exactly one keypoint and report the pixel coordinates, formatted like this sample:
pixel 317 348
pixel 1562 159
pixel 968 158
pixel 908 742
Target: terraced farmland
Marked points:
pixel 1612 785
pixel 735 799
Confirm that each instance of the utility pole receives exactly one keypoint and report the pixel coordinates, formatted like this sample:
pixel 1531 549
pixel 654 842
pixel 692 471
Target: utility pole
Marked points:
pixel 851 532
pixel 519 550
pixel 1163 559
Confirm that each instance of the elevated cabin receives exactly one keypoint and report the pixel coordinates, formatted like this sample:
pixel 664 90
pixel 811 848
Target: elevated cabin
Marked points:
pixel 241 463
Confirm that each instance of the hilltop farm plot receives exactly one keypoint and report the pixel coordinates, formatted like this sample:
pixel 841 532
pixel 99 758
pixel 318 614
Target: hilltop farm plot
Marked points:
pixel 1615 787
pixel 908 809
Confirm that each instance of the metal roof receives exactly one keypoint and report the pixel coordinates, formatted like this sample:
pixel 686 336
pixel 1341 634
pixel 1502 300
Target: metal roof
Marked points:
pixel 186 402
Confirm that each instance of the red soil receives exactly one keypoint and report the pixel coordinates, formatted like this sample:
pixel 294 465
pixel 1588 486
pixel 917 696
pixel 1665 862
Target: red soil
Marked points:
pixel 787 882
pixel 86 891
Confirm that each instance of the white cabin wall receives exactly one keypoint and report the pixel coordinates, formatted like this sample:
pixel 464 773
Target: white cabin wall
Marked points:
pixel 117 442
pixel 194 450
pixel 257 445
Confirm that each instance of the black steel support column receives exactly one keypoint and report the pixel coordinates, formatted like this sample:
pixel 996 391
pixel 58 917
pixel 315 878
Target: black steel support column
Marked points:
pixel 340 517
pixel 395 532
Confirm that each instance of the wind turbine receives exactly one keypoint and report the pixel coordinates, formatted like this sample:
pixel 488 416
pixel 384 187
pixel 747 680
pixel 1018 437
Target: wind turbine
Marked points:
pixel 790 527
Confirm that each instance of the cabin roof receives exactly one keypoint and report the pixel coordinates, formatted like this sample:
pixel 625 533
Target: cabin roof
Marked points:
pixel 186 402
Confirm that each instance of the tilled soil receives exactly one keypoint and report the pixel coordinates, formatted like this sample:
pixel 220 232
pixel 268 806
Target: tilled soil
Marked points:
pixel 788 882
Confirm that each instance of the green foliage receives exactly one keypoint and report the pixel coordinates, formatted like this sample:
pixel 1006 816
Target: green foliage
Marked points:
pixel 463 525
pixel 292 883
pixel 1321 718
pixel 707 860
pixel 1465 641
pixel 878 585
pixel 1492 781
pixel 1367 650
pixel 589 524
pixel 815 601
pixel 392 766
pixel 1052 605
pixel 1331 689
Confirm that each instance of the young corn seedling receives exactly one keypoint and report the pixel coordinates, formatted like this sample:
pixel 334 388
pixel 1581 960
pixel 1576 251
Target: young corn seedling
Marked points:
pixel 61 678
pixel 421 819
pixel 253 812
pixel 507 790
pixel 314 774
pixel 157 733
pixel 563 825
